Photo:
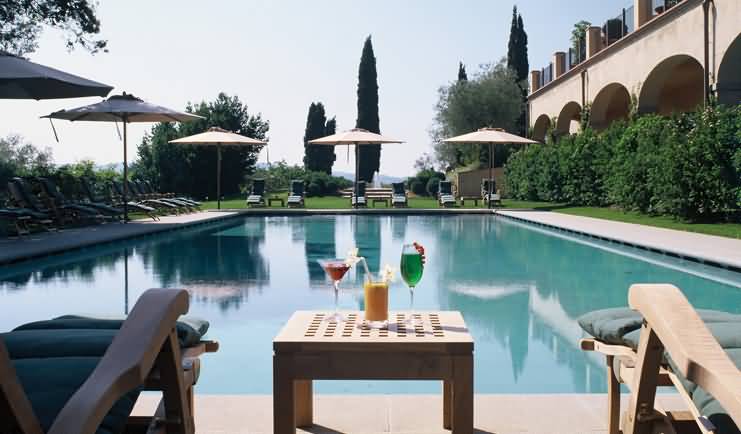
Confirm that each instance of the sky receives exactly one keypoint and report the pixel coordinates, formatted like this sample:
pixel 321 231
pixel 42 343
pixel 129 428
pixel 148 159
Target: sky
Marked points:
pixel 278 56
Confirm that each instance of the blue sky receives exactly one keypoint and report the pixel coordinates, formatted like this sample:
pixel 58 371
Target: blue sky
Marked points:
pixel 280 55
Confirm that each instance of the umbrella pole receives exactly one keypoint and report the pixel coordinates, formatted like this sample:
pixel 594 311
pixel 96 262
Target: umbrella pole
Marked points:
pixel 355 187
pixel 218 176
pixel 126 176
pixel 491 163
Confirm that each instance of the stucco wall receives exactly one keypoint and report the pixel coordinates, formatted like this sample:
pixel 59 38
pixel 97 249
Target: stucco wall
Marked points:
pixel 630 61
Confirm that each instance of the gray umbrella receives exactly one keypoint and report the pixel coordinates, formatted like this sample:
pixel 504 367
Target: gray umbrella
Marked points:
pixel 123 108
pixel 23 79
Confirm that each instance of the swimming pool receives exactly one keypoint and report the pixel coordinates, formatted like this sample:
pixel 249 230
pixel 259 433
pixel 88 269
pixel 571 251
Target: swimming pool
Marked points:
pixel 520 289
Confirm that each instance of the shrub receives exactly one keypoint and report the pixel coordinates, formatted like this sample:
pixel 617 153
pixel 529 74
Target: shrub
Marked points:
pixel 433 186
pixel 424 176
pixel 417 187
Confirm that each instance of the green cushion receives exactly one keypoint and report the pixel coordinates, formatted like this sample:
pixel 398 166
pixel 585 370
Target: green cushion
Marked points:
pixel 25 344
pixel 49 383
pixel 728 333
pixel 190 330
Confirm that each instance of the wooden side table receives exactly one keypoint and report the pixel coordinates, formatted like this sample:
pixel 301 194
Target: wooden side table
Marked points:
pixel 383 200
pixel 475 200
pixel 309 348
pixel 276 199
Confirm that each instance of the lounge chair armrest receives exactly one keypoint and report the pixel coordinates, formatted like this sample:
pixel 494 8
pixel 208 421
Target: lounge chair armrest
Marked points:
pixel 607 349
pixel 692 347
pixel 126 363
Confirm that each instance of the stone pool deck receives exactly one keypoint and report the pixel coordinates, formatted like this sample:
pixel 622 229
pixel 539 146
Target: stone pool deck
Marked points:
pixel 495 414
pixel 47 243
pixel 714 250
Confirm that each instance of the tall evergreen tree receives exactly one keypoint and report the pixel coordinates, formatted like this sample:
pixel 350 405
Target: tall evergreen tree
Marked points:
pixel 331 128
pixel 317 157
pixel 517 61
pixel 369 159
pixel 462 76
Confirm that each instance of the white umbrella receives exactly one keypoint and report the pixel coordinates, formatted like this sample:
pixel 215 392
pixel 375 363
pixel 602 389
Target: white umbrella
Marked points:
pixel 357 137
pixel 123 108
pixel 491 136
pixel 216 136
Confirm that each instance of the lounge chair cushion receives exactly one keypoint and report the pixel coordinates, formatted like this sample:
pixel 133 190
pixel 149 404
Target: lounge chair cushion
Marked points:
pixel 49 384
pixel 190 330
pixel 295 198
pixel 613 325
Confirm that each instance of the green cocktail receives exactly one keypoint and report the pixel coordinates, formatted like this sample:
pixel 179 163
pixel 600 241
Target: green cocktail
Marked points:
pixel 411 268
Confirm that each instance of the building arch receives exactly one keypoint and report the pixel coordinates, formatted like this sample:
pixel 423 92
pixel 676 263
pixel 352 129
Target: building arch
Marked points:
pixel 612 103
pixel 569 119
pixel 541 127
pixel 728 87
pixel 675 85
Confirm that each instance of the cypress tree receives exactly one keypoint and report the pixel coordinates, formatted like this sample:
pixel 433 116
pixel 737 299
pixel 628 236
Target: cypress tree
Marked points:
pixel 317 157
pixel 369 156
pixel 517 61
pixel 462 76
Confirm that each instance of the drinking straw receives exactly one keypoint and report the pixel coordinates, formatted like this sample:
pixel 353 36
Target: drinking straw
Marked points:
pixel 367 271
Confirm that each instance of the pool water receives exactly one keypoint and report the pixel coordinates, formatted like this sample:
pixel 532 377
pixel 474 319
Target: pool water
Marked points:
pixel 520 289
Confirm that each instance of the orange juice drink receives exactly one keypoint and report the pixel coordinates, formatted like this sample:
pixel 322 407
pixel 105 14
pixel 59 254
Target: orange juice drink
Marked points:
pixel 376 301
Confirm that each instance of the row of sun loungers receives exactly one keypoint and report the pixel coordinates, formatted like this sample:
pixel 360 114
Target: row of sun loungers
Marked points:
pixel 56 210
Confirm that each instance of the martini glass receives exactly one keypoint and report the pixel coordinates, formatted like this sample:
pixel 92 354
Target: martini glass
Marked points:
pixel 335 269
pixel 412 265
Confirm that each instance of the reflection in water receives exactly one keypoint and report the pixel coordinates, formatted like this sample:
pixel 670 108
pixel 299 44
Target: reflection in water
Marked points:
pixel 520 290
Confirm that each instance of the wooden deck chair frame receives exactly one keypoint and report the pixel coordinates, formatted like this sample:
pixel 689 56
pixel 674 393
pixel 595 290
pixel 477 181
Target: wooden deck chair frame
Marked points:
pixel 670 324
pixel 145 351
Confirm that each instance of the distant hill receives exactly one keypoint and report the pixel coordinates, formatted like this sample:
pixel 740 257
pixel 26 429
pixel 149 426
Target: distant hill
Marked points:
pixel 385 179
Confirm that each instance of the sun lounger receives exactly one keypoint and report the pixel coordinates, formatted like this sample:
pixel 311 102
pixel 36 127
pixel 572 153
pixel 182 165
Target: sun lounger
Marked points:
pixel 23 198
pixel 18 221
pixel 666 342
pixel 359 198
pixel 147 187
pixel 257 194
pixel 86 379
pixel 107 200
pixel 296 196
pixel 140 195
pixel 399 195
pixel 162 207
pixel 59 202
pixel 495 198
pixel 445 196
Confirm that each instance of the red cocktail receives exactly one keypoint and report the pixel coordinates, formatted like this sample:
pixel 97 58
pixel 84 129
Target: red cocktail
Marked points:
pixel 335 269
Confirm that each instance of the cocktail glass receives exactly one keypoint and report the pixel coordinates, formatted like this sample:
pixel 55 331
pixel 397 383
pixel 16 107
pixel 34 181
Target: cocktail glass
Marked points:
pixel 335 269
pixel 412 267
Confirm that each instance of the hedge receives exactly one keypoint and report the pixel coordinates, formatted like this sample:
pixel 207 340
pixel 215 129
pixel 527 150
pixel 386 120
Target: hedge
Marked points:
pixel 687 166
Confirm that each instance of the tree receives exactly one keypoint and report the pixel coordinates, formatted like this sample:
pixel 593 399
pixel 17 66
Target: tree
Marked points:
pixel 462 76
pixel 491 99
pixel 20 158
pixel 192 169
pixel 318 158
pixel 579 40
pixel 369 156
pixel 517 61
pixel 21 23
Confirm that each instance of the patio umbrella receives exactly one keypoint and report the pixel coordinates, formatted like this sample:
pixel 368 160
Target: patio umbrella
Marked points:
pixel 357 137
pixel 123 108
pixel 218 137
pixel 490 136
pixel 23 79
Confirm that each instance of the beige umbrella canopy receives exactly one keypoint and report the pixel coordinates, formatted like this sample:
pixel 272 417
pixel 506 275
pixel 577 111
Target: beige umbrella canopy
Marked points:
pixel 357 137
pixel 490 136
pixel 218 137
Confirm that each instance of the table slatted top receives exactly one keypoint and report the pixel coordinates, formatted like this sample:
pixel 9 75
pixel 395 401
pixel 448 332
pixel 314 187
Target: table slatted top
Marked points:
pixel 438 331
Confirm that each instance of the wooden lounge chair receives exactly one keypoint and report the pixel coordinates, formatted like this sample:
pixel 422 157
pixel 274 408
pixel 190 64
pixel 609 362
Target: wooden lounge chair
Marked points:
pixel 668 343
pixel 73 388
pixel 445 196
pixel 161 207
pixel 399 195
pixel 146 186
pixel 106 200
pixel 257 194
pixel 23 198
pixel 296 196
pixel 18 220
pixel 173 204
pixel 359 198
pixel 495 198
pixel 59 202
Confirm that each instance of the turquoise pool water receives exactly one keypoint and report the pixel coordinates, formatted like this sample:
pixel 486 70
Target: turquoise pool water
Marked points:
pixel 520 289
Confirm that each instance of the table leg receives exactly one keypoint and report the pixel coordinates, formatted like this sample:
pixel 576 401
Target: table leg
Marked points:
pixel 447 398
pixel 463 395
pixel 303 393
pixel 284 418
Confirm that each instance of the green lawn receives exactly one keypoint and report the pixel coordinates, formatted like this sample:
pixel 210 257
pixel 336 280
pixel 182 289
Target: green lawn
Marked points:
pixel 333 202
pixel 731 230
